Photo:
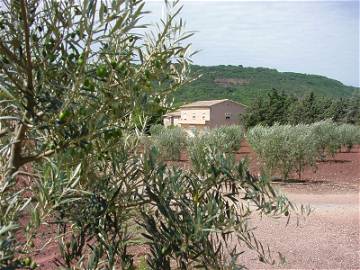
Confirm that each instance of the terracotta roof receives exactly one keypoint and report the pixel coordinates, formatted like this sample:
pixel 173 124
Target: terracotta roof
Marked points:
pixel 174 113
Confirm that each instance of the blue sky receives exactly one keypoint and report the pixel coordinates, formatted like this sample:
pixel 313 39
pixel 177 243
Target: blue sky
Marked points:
pixel 301 36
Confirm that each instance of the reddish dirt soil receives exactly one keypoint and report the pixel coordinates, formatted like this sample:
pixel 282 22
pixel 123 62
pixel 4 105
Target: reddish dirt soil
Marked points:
pixel 327 239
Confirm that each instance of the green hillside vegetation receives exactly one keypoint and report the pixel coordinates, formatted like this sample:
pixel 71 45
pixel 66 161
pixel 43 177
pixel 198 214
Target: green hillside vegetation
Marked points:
pixel 244 84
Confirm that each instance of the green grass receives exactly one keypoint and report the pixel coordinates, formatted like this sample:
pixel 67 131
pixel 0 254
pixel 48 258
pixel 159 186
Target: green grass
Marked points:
pixel 259 81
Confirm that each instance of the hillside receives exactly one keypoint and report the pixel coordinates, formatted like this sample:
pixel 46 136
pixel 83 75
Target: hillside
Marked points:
pixel 243 84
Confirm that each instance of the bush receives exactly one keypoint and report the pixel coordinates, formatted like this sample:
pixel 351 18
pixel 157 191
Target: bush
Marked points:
pixel 326 138
pixel 303 151
pixel 156 129
pixel 349 135
pixel 270 145
pixel 169 141
pixel 283 148
pixel 231 137
pixel 286 148
pixel 223 140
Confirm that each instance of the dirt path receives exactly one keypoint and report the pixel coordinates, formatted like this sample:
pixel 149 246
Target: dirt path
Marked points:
pixel 327 239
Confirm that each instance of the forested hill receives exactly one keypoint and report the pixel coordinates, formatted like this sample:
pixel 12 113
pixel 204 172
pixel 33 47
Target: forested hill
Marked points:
pixel 243 84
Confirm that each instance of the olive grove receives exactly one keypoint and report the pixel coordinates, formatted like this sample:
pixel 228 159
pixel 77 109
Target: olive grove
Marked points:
pixel 79 82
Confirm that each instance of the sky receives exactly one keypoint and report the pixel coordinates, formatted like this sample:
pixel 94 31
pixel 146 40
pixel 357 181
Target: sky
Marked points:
pixel 310 37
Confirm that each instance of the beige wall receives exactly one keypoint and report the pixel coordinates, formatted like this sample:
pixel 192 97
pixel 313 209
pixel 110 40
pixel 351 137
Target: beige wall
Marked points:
pixel 221 110
pixel 171 121
pixel 176 121
pixel 194 116
pixel 167 121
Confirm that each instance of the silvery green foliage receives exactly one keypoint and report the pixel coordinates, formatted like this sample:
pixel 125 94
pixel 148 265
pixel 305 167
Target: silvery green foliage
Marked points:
pixel 223 140
pixel 326 138
pixel 284 148
pixel 169 141
pixel 303 151
pixel 349 135
pixel 230 136
pixel 156 129
pixel 271 146
pixel 200 220
pixel 77 80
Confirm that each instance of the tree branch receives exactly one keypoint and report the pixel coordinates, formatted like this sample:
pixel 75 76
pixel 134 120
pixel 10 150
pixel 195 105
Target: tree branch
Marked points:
pixel 15 156
pixel 29 67
pixel 37 157
pixel 3 132
pixel 12 57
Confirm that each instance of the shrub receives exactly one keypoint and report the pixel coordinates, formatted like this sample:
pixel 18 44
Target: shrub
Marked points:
pixel 303 151
pixel 156 129
pixel 223 140
pixel 169 141
pixel 231 137
pixel 270 144
pixel 283 148
pixel 349 135
pixel 326 138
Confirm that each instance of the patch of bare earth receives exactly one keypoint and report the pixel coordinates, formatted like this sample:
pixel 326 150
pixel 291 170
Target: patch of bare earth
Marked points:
pixel 228 82
pixel 329 237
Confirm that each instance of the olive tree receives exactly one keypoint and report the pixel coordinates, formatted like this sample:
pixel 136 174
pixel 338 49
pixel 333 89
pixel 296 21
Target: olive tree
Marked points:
pixel 224 140
pixel 79 82
pixel 326 138
pixel 349 135
pixel 303 151
pixel 284 148
pixel 169 141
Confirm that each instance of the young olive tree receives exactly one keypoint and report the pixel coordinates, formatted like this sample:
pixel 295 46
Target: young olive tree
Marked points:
pixel 349 135
pixel 326 138
pixel 284 148
pixel 224 140
pixel 269 144
pixel 78 80
pixel 169 141
pixel 303 151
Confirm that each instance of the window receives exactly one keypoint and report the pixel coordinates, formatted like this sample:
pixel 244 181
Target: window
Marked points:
pixel 184 116
pixel 203 116
pixel 227 115
pixel 193 116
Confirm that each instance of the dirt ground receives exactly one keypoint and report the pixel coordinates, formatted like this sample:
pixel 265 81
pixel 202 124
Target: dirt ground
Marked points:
pixel 327 239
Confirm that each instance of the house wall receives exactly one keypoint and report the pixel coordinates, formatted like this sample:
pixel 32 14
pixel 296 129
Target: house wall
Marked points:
pixel 220 111
pixel 194 116
pixel 167 121
pixel 176 120
pixel 171 121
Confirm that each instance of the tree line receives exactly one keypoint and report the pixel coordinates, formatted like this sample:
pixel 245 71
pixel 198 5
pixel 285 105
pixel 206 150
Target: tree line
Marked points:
pixel 281 108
